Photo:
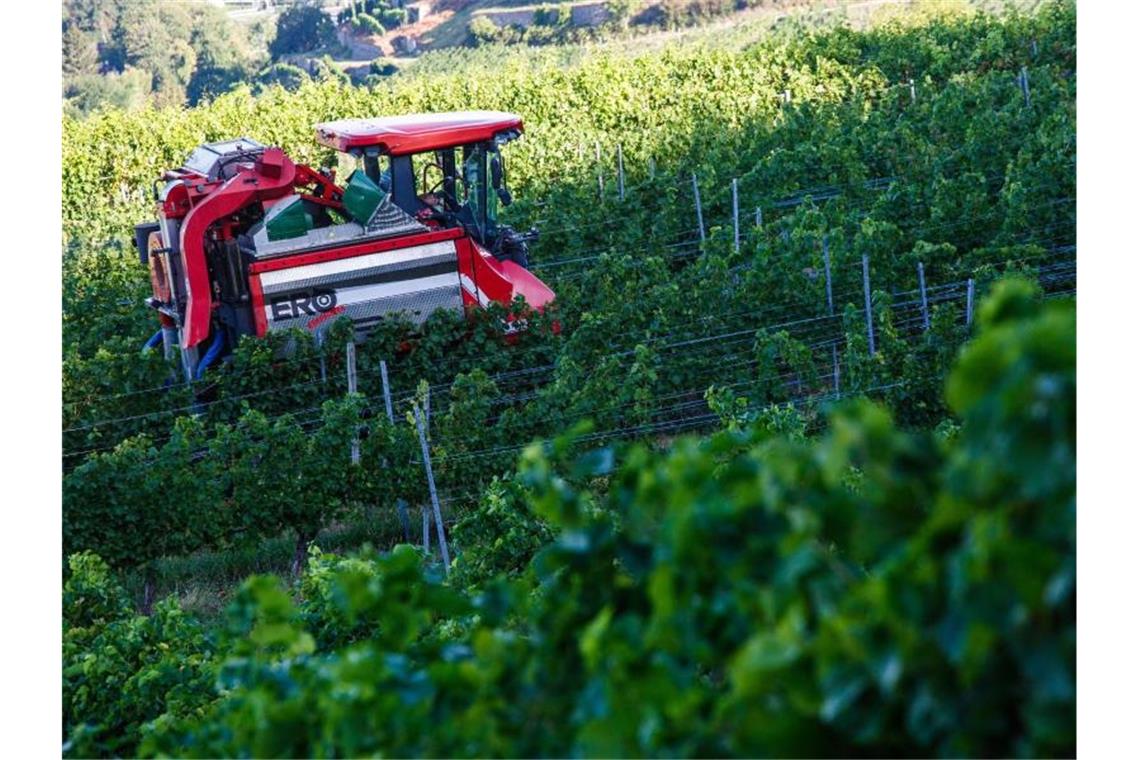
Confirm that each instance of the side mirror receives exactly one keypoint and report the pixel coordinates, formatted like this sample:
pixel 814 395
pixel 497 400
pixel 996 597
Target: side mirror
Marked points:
pixel 496 171
pixel 497 180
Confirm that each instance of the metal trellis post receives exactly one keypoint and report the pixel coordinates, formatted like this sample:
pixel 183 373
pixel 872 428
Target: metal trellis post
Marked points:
pixel 697 200
pixel 324 367
pixel 401 505
pixel 431 489
pixel 1025 84
pixel 759 217
pixel 827 273
pixel 831 312
pixel 387 390
pixel 735 219
pixel 867 303
pixel 922 295
pixel 405 524
pixel 350 363
pixel 835 366
pixel 969 302
pixel 913 95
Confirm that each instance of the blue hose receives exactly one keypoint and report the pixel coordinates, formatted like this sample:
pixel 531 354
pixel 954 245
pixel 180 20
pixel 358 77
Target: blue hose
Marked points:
pixel 211 354
pixel 154 341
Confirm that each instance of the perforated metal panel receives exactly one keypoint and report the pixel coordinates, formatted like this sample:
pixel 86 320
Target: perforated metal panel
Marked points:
pixel 415 281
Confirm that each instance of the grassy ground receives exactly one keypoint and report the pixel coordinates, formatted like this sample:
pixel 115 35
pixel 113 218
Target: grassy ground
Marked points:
pixel 204 582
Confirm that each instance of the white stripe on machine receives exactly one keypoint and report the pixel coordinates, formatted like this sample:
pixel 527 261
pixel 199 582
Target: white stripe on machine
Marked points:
pixel 473 291
pixel 379 291
pixel 353 263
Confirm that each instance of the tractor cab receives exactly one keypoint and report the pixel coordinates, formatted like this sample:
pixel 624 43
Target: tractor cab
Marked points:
pixel 444 170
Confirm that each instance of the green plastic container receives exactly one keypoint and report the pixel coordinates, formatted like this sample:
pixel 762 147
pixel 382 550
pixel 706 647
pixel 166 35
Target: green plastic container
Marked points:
pixel 288 219
pixel 362 196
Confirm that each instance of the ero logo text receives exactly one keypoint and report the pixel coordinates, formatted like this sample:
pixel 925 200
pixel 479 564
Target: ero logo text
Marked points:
pixel 302 303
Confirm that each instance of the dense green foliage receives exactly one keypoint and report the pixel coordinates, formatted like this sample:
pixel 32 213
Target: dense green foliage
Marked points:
pixel 869 591
pixel 121 669
pixel 820 577
pixel 550 25
pixel 966 179
pixel 374 16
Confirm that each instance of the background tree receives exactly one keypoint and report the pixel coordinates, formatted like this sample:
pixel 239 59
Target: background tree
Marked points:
pixel 185 52
pixel 300 29
pixel 225 58
pixel 125 91
pixel 80 54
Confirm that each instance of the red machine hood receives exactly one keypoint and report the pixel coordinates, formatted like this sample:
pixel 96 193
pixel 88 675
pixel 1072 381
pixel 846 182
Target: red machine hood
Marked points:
pixel 413 133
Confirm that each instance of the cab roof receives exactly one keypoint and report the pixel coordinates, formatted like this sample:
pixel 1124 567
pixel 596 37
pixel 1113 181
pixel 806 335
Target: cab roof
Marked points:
pixel 415 133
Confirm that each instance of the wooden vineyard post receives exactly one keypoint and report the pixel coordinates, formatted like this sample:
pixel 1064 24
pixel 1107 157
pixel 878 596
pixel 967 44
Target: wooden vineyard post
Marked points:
pixel 922 296
pixel 431 489
pixel 867 303
pixel 697 200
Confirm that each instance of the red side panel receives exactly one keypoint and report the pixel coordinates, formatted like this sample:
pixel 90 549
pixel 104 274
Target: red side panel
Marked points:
pixel 271 178
pixel 485 279
pixel 257 296
pixel 534 290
